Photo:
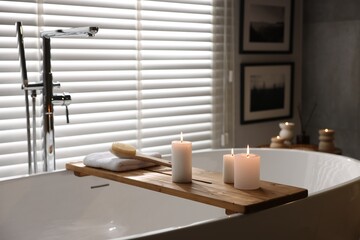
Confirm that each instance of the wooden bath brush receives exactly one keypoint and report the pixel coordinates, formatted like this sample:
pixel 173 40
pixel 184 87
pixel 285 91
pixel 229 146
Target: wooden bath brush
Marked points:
pixel 128 151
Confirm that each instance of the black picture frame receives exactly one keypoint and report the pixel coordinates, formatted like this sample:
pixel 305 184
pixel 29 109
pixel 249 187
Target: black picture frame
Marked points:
pixel 266 26
pixel 266 91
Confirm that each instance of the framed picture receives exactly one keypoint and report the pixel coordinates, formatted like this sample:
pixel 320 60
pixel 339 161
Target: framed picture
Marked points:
pixel 266 92
pixel 266 26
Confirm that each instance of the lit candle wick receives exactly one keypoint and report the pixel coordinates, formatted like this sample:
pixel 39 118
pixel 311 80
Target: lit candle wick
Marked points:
pixel 326 130
pixel 278 137
pixel 181 136
pixel 232 152
pixel 247 151
pixel 286 123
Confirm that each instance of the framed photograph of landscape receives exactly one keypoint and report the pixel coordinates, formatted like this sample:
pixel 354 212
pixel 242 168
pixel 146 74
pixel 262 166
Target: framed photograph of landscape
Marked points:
pixel 266 26
pixel 266 92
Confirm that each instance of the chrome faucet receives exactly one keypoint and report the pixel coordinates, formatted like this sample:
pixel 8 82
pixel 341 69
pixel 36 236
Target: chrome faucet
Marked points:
pixel 49 98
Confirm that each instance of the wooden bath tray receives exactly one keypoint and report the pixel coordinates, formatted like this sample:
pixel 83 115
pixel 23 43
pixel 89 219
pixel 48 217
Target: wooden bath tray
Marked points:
pixel 206 187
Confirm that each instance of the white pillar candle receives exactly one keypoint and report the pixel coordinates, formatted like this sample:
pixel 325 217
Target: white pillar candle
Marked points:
pixel 247 171
pixel 228 167
pixel 181 162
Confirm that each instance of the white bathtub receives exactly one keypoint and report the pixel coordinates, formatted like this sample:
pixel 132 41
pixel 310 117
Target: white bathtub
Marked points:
pixel 62 206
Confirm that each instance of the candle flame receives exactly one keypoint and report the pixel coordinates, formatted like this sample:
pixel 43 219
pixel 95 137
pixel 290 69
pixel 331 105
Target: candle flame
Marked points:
pixel 278 137
pixel 181 136
pixel 232 152
pixel 247 151
pixel 326 130
pixel 286 123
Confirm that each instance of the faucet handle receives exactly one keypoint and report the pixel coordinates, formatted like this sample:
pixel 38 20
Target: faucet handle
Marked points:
pixel 56 84
pixel 63 99
pixel 67 114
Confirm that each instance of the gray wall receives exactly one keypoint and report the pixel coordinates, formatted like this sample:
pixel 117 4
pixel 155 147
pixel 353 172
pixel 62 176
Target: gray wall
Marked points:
pixel 331 70
pixel 260 133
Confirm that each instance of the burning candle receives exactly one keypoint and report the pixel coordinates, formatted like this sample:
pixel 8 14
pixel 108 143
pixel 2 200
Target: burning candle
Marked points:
pixel 247 171
pixel 326 140
pixel 286 131
pixel 181 161
pixel 277 142
pixel 228 167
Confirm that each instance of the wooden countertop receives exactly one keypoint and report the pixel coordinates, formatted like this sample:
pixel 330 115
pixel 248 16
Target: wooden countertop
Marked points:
pixel 206 187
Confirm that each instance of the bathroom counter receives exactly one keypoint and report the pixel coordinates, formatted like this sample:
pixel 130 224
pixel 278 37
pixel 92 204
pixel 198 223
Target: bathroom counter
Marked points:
pixel 206 187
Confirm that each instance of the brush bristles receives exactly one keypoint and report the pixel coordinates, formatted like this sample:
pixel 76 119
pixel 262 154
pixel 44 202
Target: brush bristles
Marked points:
pixel 122 149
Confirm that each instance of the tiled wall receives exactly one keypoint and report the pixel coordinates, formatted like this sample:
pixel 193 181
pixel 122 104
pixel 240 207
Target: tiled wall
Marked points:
pixel 331 70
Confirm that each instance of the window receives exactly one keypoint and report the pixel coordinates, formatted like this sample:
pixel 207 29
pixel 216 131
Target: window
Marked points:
pixel 154 69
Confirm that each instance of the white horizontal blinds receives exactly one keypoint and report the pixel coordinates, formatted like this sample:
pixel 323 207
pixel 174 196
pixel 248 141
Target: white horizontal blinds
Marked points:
pixel 176 70
pixel 152 71
pixel 100 73
pixel 13 146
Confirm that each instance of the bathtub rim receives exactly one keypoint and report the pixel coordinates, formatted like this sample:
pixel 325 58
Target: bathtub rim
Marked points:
pixel 225 150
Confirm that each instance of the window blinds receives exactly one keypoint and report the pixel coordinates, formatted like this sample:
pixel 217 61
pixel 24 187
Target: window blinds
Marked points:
pixel 150 73
pixel 13 147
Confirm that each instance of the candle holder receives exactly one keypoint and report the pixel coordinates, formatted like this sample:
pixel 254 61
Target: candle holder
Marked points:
pixel 326 140
pixel 277 142
pixel 286 132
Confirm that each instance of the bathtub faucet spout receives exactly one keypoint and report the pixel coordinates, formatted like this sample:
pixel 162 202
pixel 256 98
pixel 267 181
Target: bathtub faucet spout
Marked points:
pixel 49 98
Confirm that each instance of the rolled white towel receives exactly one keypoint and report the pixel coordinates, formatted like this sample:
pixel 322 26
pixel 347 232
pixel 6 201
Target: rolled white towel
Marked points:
pixel 109 161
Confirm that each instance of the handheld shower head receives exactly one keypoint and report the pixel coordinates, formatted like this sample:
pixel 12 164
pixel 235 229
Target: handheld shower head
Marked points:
pixel 83 31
